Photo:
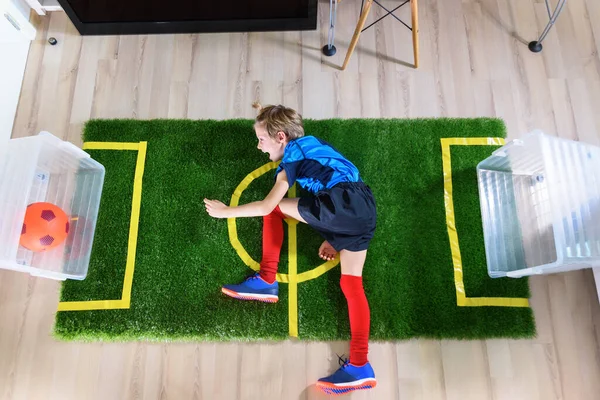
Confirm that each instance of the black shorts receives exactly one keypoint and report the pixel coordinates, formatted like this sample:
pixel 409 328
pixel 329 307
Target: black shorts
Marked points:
pixel 344 215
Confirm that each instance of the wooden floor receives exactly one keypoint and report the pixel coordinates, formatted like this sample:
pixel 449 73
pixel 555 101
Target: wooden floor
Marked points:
pixel 474 62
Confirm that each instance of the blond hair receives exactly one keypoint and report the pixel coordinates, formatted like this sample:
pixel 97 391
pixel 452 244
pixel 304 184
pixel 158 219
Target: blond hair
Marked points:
pixel 280 119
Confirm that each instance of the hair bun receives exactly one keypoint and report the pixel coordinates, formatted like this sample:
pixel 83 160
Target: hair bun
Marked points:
pixel 257 105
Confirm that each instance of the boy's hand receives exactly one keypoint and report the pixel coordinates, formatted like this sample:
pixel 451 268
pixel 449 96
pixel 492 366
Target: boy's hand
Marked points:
pixel 216 209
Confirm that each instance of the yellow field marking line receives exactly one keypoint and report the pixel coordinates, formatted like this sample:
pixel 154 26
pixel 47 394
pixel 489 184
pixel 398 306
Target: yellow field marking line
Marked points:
pixel 125 300
pixel 292 271
pixel 292 278
pixel 461 296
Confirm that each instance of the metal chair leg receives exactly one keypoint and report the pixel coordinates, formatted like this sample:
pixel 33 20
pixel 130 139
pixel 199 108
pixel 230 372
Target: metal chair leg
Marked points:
pixel 536 45
pixel 329 49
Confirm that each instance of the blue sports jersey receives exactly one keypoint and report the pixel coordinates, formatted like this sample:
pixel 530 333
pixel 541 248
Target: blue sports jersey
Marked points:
pixel 316 165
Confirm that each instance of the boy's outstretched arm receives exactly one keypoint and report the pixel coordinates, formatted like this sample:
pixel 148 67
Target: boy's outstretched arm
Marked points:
pixel 217 209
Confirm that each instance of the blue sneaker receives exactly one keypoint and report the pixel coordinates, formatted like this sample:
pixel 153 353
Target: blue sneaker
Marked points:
pixel 254 288
pixel 348 378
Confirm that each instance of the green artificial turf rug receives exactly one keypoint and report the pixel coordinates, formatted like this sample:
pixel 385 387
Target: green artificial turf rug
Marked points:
pixel 159 260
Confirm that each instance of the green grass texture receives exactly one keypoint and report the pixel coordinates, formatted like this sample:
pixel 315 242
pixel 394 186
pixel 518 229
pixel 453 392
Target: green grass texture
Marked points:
pixel 184 256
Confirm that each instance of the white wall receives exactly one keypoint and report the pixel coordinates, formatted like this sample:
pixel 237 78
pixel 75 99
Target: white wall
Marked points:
pixel 13 53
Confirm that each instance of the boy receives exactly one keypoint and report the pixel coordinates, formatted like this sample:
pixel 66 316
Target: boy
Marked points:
pixel 342 209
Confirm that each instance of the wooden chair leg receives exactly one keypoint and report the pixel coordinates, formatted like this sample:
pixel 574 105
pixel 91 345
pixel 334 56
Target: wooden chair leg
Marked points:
pixel 414 11
pixel 359 27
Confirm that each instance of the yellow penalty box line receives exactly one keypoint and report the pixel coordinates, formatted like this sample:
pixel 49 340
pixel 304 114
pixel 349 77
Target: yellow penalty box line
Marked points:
pixel 461 296
pixel 125 300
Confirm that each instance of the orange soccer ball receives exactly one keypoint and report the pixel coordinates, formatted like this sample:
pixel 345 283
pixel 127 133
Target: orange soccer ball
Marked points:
pixel 45 227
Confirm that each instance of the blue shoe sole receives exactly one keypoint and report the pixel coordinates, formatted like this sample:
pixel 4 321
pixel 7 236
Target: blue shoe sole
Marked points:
pixel 265 298
pixel 331 389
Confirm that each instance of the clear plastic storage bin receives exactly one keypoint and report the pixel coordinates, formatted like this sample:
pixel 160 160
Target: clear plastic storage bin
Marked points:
pixel 540 203
pixel 44 168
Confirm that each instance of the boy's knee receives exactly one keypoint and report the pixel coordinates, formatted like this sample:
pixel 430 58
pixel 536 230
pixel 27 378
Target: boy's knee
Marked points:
pixel 286 207
pixel 283 205
pixel 276 212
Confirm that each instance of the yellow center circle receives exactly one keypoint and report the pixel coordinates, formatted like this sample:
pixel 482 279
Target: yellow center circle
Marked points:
pixel 241 251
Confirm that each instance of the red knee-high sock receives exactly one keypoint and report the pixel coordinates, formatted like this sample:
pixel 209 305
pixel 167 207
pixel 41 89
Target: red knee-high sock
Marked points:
pixel 360 318
pixel 272 242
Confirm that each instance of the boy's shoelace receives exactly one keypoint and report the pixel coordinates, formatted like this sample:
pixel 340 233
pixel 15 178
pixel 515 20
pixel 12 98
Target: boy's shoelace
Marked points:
pixel 343 362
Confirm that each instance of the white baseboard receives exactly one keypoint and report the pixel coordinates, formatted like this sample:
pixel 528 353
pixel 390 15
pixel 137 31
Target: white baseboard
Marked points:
pixel 51 5
pixel 43 6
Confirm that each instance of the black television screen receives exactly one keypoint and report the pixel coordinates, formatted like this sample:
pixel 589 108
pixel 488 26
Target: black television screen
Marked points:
pixel 187 16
